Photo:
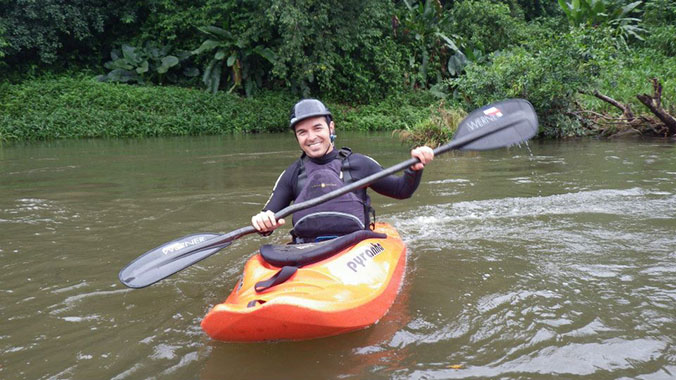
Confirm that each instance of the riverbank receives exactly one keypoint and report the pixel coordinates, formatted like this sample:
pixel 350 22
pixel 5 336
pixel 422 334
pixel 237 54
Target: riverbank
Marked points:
pixel 81 107
pixel 78 106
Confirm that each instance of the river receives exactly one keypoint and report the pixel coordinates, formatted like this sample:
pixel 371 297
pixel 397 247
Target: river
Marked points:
pixel 552 260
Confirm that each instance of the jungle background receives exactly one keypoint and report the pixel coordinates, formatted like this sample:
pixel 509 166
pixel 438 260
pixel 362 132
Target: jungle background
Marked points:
pixel 126 68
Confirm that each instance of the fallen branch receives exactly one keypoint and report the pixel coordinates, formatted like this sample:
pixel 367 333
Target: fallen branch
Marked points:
pixel 654 103
pixel 625 108
pixel 605 124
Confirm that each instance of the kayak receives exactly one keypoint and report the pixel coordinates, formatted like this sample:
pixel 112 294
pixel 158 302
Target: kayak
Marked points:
pixel 314 290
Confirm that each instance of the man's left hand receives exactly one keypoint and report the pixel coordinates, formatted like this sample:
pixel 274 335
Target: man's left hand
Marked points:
pixel 425 154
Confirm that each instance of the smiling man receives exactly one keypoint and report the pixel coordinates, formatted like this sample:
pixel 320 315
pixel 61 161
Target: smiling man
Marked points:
pixel 322 169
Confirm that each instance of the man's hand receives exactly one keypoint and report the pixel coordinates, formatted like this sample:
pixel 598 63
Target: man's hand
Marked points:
pixel 265 221
pixel 424 153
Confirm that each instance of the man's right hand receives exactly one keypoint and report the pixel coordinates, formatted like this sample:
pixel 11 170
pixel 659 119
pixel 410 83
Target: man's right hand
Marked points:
pixel 265 221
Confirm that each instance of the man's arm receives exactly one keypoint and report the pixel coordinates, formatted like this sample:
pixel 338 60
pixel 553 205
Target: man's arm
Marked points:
pixel 394 186
pixel 281 196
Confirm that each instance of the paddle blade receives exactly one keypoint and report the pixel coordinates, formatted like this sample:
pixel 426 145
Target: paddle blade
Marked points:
pixel 167 259
pixel 497 125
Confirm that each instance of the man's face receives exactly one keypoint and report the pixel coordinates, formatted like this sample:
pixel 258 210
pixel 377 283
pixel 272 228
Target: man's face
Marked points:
pixel 314 136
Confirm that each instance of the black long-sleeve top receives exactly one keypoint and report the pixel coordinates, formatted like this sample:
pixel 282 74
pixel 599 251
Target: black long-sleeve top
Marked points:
pixel 361 166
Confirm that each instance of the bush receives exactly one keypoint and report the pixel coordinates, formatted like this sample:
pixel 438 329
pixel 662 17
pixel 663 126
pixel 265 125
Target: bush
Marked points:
pixel 68 108
pixel 659 12
pixel 486 25
pixel 396 112
pixel 318 43
pixel 57 33
pixel 53 108
pixel 533 9
pixel 549 73
pixel 628 75
pixel 370 74
pixel 435 130
pixel 151 62
pixel 662 39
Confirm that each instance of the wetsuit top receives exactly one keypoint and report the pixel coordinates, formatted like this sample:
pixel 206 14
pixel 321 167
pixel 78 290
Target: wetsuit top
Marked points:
pixel 360 166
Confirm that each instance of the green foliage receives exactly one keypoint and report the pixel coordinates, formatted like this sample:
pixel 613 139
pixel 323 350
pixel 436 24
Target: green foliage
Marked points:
pixel 68 108
pixel 54 32
pixel 349 51
pixel 549 73
pixel 627 75
pixel 150 63
pixel 659 13
pixel 177 21
pixel 533 9
pixel 662 39
pixel 594 12
pixel 437 129
pixel 62 107
pixel 395 112
pixel 423 27
pixel 3 41
pixel 660 18
pixel 479 22
pixel 318 42
pixel 604 13
pixel 370 74
pixel 247 71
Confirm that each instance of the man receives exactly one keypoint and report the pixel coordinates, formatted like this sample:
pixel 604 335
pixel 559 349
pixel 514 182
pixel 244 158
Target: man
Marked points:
pixel 322 169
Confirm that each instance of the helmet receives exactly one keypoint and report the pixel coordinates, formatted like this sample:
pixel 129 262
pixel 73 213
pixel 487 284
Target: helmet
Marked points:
pixel 307 108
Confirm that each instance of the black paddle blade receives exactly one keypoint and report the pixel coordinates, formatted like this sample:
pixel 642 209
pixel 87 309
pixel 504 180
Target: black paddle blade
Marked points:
pixel 497 125
pixel 167 259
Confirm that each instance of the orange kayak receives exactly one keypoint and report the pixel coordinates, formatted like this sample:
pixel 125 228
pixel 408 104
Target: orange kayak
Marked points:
pixel 307 291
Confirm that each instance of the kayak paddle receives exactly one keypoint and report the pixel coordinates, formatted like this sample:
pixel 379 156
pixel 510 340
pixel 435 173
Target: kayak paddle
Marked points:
pixel 497 125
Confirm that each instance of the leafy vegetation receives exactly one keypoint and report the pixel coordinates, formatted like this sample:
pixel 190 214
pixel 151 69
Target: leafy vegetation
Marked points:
pixel 370 59
pixel 422 27
pixel 437 128
pixel 237 56
pixel 604 13
pixel 151 63
pixel 82 107
pixel 550 74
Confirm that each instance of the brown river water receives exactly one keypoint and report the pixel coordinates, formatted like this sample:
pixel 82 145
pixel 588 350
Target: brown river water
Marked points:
pixel 555 260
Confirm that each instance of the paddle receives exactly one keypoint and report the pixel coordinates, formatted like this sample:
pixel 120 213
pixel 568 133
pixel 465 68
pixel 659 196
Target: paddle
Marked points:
pixel 497 125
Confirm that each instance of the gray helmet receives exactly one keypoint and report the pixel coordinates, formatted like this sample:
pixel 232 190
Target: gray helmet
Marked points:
pixel 308 108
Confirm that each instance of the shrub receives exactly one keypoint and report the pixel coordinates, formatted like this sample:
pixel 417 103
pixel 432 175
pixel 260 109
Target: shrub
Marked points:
pixel 395 112
pixel 52 108
pixel 549 73
pixel 69 108
pixel 58 33
pixel 437 129
pixel 662 39
pixel 424 29
pixel 533 9
pixel 605 13
pixel 150 63
pixel 314 38
pixel 370 74
pixel 628 75
pixel 486 25
pixel 659 12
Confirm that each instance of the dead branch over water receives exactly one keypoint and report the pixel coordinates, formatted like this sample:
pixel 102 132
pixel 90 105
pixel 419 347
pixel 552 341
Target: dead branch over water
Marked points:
pixel 660 122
